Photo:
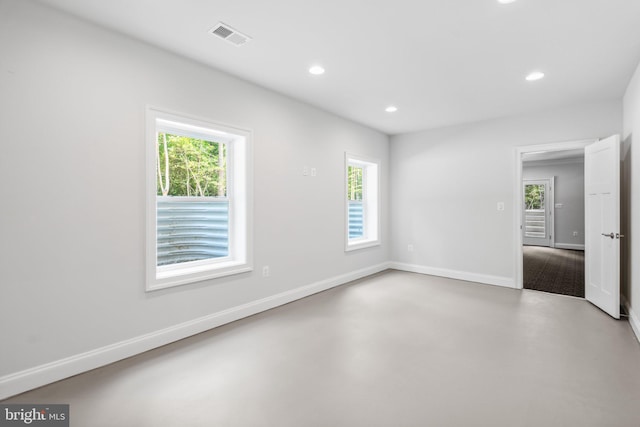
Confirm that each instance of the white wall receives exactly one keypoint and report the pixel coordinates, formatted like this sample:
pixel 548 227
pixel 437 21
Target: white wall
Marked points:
pixel 631 209
pixel 568 192
pixel 446 183
pixel 72 107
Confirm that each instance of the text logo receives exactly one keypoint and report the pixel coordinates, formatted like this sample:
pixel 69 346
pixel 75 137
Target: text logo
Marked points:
pixel 34 415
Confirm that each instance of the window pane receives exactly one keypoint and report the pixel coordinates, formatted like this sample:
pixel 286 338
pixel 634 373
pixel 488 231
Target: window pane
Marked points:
pixel 191 229
pixel 535 214
pixel 534 196
pixel 356 219
pixel 354 184
pixel 354 196
pixel 190 167
pixel 192 209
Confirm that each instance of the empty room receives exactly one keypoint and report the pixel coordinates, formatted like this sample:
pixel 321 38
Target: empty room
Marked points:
pixel 305 213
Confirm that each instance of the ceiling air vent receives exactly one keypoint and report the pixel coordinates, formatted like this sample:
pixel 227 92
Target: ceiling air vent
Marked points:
pixel 234 37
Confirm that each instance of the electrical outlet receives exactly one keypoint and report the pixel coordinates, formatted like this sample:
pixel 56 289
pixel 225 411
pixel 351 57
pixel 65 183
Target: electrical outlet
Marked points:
pixel 305 170
pixel 265 271
pixel 575 233
pixel 500 206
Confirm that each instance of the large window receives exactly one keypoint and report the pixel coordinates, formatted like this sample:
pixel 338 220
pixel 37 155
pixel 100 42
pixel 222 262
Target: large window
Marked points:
pixel 362 202
pixel 198 199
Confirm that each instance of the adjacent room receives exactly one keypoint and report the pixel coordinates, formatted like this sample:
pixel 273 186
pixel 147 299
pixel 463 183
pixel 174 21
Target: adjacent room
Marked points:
pixel 320 213
pixel 553 224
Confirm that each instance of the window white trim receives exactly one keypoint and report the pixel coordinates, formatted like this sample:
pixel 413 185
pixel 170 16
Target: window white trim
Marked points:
pixel 370 199
pixel 239 194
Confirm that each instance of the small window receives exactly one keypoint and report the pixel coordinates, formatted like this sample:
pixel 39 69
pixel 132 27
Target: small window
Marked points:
pixel 197 200
pixel 362 194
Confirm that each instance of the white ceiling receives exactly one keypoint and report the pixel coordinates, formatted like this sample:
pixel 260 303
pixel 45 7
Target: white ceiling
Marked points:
pixel 441 62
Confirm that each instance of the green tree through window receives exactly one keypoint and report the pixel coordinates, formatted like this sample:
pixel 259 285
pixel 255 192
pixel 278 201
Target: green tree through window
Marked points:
pixel 354 184
pixel 190 167
pixel 534 196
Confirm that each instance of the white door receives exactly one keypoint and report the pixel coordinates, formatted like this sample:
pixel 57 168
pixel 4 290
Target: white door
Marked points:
pixel 538 207
pixel 602 224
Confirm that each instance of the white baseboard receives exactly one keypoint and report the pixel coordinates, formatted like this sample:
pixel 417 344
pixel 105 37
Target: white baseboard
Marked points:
pixel 19 382
pixel 571 246
pixel 634 321
pixel 507 282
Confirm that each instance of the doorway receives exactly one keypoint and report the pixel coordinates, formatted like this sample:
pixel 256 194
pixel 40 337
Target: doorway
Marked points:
pixel 550 240
pixel 547 268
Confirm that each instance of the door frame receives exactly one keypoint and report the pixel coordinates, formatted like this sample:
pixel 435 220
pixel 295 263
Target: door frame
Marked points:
pixel 549 214
pixel 519 194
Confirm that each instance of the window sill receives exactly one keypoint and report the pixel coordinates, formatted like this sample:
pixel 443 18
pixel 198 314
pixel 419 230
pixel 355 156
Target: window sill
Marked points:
pixel 187 275
pixel 361 244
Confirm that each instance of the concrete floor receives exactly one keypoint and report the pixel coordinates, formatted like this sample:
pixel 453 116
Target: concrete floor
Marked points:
pixel 396 349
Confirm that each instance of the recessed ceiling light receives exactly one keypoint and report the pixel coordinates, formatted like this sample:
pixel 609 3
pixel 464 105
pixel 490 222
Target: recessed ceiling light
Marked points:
pixel 506 1
pixel 536 75
pixel 391 109
pixel 316 70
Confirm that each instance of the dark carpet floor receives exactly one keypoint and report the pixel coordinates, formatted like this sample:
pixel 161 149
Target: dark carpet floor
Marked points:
pixel 559 271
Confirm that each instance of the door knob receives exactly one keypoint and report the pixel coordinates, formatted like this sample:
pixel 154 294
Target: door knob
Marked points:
pixel 609 235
